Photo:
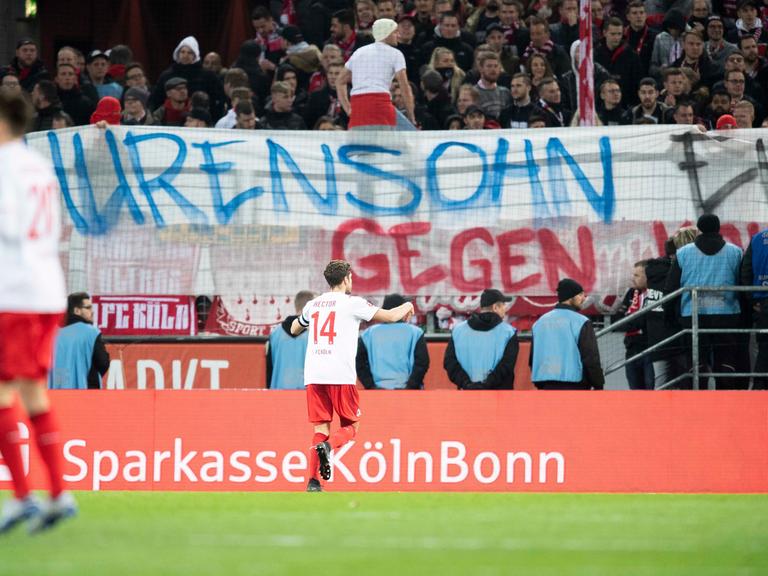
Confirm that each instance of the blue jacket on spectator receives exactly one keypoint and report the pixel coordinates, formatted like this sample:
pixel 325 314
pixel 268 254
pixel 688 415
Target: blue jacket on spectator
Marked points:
pixel 285 358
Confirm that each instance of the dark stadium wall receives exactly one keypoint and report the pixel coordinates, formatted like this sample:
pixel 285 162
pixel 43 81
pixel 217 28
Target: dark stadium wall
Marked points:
pixel 152 29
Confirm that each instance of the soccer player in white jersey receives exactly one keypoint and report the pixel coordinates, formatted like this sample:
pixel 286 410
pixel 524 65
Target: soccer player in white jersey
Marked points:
pixel 32 302
pixel 371 70
pixel 333 320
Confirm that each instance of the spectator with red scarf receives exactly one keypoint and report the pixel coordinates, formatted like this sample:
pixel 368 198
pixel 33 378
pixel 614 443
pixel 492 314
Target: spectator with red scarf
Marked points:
pixel 343 33
pixel 640 372
pixel 542 44
pixel 174 110
pixel 268 37
pixel 619 59
pixel 638 35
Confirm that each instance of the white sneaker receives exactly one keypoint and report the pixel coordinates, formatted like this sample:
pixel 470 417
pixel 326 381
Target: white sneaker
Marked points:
pixel 55 510
pixel 16 511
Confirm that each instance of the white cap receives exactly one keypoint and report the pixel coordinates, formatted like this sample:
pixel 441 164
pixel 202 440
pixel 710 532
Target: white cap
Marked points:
pixel 382 28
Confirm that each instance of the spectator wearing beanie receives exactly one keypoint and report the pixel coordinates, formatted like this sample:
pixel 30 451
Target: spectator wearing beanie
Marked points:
pixel 136 113
pixel 726 122
pixel 198 118
pixel 27 66
pixel 187 65
pixel 438 102
pixel 107 111
pixel 564 352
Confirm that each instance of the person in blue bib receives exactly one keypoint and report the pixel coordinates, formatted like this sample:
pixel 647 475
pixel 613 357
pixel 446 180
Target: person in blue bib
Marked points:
pixel 564 352
pixel 711 261
pixel 80 358
pixel 392 356
pixel 754 272
pixel 286 352
pixel 482 352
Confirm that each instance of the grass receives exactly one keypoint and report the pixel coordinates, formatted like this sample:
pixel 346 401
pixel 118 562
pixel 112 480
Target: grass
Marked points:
pixel 135 533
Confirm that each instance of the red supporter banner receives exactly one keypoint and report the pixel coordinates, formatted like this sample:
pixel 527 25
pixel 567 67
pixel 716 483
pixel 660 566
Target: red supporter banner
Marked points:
pixel 416 441
pixel 145 315
pixel 212 366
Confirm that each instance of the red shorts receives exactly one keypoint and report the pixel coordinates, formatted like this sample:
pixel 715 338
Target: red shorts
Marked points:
pixel 374 109
pixel 26 345
pixel 324 399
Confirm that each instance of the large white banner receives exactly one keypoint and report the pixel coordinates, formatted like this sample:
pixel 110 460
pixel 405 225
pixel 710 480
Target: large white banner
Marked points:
pixel 255 216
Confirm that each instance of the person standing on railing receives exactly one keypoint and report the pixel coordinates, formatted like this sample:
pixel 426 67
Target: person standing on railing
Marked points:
pixel 564 352
pixel 371 70
pixel 711 261
pixel 754 272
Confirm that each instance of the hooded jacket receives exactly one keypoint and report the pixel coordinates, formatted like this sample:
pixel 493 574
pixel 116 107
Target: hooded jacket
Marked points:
pixel 664 42
pixel 197 79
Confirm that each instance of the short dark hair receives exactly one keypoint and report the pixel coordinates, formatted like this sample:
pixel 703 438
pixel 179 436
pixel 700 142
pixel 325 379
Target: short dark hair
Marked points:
pixel 261 12
pixel 648 81
pixel 537 21
pixel 745 37
pixel 244 107
pixel 15 112
pixel 610 80
pixel 133 65
pixel 522 75
pixel 336 271
pixel 75 300
pixel 612 21
pixel 64 65
pixel 61 115
pixel 345 17
pixel 692 33
pixel 301 299
pixel 49 90
pixel 682 104
pixel 120 54
pixel 671 71
pixel 449 14
pixel 536 118
pixel 635 4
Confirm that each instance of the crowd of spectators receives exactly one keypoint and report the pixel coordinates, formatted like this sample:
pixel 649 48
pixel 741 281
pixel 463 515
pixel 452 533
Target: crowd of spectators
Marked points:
pixel 471 64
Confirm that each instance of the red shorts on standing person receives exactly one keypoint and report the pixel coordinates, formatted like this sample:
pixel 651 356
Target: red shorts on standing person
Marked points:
pixel 373 109
pixel 324 399
pixel 26 345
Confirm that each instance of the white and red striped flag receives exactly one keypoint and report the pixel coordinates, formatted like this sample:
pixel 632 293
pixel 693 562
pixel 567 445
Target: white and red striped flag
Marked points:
pixel 586 66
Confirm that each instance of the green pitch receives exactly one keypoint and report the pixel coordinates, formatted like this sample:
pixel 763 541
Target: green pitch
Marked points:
pixel 362 534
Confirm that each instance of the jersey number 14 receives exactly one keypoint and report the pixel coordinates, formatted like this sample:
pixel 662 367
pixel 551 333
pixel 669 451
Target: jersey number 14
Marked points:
pixel 327 330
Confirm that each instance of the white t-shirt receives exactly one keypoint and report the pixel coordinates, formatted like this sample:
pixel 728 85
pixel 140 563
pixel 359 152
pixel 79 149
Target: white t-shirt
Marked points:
pixel 333 321
pixel 30 226
pixel 373 67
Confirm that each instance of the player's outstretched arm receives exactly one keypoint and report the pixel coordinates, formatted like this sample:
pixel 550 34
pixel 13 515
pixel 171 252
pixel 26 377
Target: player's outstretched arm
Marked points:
pixel 296 327
pixel 402 312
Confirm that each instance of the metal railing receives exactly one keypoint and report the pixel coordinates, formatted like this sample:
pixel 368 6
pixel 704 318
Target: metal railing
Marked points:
pixel 695 373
